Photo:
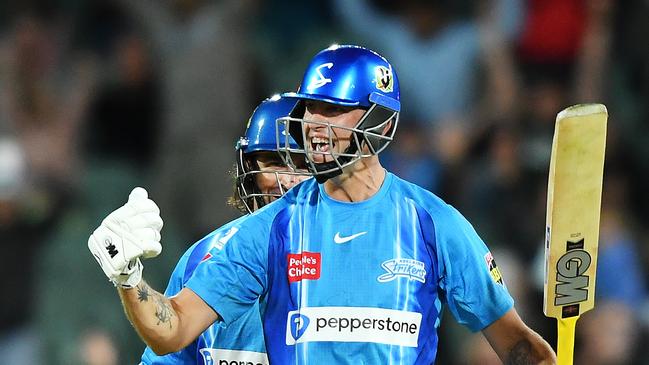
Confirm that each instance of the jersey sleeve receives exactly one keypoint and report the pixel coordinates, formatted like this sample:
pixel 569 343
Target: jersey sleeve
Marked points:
pixel 474 289
pixel 233 279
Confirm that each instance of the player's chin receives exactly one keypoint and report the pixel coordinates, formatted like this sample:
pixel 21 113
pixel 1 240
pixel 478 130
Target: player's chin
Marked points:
pixel 321 157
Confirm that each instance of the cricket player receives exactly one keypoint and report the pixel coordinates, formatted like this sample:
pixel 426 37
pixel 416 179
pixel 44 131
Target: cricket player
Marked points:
pixel 261 177
pixel 356 266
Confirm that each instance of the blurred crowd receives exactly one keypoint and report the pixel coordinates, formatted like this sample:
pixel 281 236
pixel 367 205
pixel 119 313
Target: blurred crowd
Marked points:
pixel 99 96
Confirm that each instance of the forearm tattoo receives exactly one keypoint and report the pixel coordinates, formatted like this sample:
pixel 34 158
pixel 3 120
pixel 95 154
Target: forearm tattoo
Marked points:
pixel 143 293
pixel 521 354
pixel 163 310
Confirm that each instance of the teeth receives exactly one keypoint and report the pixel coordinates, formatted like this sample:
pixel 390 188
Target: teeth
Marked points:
pixel 319 140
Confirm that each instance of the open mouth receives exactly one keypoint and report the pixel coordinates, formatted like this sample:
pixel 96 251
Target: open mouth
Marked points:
pixel 321 145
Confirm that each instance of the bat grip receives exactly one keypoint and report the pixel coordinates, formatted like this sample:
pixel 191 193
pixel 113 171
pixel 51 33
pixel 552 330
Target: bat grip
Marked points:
pixel 566 340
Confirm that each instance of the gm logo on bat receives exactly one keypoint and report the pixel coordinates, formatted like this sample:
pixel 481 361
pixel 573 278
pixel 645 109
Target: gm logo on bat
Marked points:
pixel 572 284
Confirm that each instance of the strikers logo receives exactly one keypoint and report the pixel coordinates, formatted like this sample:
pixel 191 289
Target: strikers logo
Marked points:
pixel 305 265
pixel 493 268
pixel 320 80
pixel 404 268
pixel 383 78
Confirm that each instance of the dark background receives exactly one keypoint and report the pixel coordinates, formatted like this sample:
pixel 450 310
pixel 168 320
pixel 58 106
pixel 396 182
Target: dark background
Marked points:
pixel 99 96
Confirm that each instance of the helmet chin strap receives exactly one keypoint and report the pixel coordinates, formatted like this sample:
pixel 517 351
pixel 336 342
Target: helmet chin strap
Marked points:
pixel 321 178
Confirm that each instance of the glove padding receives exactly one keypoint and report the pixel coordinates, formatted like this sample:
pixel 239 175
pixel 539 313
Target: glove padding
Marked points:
pixel 128 233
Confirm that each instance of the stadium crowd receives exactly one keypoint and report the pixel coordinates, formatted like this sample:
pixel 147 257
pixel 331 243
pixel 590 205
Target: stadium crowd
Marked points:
pixel 99 96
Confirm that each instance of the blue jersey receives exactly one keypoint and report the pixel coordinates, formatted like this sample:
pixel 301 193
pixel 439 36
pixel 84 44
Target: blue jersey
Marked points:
pixel 240 342
pixel 354 283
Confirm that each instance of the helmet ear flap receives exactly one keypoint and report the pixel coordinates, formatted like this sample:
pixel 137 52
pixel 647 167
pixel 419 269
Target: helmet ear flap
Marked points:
pixel 295 129
pixel 374 124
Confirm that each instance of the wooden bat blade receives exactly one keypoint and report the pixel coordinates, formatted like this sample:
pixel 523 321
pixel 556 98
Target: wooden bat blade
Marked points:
pixel 573 210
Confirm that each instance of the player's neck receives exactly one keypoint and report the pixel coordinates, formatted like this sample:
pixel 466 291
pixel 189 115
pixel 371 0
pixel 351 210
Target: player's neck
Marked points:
pixel 358 182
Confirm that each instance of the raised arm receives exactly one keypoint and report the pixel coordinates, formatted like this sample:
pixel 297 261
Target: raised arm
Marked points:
pixel 363 19
pixel 517 344
pixel 130 232
pixel 166 324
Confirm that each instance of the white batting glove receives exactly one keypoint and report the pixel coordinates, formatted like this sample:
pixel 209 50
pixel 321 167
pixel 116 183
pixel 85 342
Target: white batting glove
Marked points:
pixel 128 233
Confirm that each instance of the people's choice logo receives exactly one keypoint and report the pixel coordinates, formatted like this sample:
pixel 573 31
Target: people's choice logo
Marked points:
pixel 320 80
pixel 232 357
pixel 404 268
pixel 305 265
pixel 353 324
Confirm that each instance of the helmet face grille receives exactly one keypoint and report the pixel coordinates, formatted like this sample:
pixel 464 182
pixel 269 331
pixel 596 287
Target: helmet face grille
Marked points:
pixel 261 136
pixel 247 188
pixel 349 76
pixel 372 134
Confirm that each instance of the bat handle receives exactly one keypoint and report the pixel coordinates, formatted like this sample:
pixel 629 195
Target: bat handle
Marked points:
pixel 566 340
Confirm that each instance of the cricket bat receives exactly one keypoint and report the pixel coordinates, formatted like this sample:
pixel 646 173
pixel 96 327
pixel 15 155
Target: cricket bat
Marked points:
pixel 572 219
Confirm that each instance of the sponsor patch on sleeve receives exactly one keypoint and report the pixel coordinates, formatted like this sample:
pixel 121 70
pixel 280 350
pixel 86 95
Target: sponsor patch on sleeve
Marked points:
pixel 494 271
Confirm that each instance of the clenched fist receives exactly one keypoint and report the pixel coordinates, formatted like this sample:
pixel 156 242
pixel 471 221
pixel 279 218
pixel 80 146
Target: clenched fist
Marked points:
pixel 128 233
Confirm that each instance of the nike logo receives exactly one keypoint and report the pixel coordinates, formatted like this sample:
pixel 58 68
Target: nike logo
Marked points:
pixel 339 239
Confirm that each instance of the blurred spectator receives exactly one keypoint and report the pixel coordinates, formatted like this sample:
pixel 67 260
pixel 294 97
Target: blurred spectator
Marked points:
pixel 607 335
pixel 436 55
pixel 553 30
pixel 207 95
pixel 631 72
pixel 45 93
pixel 281 52
pixel 619 273
pixel 562 64
pixel 498 179
pixel 124 118
pixel 98 349
pixel 44 90
pixel 410 158
pixel 21 232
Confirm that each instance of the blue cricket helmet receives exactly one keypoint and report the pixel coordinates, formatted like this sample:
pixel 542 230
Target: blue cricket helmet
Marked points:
pixel 261 136
pixel 349 76
pixel 262 130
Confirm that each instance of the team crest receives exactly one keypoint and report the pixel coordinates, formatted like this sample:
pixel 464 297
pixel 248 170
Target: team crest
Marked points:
pixel 494 271
pixel 383 78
